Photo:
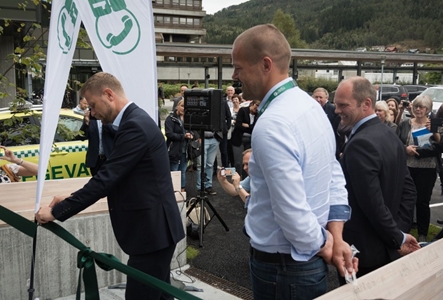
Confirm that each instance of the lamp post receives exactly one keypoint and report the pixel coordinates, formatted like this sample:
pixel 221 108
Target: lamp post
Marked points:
pixel 383 59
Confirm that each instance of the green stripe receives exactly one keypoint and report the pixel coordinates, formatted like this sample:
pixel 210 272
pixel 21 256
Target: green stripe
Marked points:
pixel 86 259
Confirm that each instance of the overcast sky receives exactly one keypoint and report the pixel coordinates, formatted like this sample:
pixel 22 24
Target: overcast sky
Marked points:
pixel 213 6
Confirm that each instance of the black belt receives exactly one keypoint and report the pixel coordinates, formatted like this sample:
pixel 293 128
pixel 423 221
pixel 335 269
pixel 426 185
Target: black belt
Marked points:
pixel 272 258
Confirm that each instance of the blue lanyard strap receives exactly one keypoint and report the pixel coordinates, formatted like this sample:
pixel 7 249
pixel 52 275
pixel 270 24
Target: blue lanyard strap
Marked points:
pixel 283 88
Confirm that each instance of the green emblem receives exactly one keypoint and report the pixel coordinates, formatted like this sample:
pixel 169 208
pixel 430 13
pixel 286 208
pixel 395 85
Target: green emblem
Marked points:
pixel 121 38
pixel 67 19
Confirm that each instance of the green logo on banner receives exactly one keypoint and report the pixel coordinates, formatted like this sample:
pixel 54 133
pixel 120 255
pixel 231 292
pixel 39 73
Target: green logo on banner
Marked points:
pixel 66 23
pixel 124 37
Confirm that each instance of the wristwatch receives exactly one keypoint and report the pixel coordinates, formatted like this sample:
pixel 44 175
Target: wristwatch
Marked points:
pixel 238 188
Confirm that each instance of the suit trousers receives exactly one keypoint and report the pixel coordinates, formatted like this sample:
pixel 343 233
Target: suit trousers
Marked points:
pixel 156 264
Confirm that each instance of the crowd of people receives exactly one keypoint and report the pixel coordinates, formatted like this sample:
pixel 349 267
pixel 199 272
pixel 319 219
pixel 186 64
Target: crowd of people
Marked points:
pixel 314 180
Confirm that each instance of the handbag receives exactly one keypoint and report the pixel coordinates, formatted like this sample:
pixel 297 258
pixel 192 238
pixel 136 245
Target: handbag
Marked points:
pixel 193 150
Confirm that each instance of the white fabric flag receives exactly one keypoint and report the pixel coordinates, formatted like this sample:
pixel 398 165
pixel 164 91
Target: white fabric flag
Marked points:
pixel 122 35
pixel 63 33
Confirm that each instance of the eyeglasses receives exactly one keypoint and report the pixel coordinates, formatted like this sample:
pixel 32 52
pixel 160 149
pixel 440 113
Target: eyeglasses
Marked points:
pixel 420 106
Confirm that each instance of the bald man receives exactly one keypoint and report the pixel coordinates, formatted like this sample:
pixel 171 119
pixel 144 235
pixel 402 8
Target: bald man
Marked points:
pixel 298 202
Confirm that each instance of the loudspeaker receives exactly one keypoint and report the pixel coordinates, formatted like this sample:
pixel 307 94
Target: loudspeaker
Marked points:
pixel 203 110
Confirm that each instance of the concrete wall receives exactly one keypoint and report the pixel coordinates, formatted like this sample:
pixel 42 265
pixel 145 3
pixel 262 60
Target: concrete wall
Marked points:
pixel 56 272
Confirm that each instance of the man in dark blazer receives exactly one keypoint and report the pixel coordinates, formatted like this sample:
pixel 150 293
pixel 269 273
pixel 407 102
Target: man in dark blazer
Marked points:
pixel 321 95
pixel 381 192
pixel 137 181
pixel 100 140
pixel 241 136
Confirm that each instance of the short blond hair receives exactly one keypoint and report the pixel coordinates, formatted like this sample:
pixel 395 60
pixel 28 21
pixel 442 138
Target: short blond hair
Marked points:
pixel 99 81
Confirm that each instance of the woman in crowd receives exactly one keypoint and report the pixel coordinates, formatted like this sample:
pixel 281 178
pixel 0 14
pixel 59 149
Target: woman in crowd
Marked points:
pixel 382 111
pixel 392 103
pixel 423 169
pixel 17 167
pixel 177 141
pixel 392 115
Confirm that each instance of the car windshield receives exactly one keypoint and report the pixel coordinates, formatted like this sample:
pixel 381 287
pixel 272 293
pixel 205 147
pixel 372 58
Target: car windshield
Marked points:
pixel 436 94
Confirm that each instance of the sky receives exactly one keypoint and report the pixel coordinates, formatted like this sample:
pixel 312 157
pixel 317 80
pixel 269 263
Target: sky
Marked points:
pixel 213 6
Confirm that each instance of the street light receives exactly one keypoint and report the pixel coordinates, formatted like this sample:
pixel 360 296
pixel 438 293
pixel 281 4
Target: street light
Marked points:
pixel 383 59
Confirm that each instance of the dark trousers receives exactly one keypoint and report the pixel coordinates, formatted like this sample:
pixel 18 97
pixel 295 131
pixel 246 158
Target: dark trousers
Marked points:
pixel 224 150
pixel 156 264
pixel 424 180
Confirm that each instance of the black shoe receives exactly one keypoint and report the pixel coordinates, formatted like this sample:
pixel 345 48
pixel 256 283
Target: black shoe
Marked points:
pixel 210 191
pixel 200 191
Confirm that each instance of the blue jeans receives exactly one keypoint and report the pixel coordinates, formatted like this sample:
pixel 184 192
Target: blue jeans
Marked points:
pixel 211 147
pixel 182 165
pixel 298 280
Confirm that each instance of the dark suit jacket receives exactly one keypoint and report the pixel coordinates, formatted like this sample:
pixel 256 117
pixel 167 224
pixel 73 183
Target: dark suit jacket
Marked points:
pixel 239 130
pixel 381 193
pixel 92 135
pixel 137 181
pixel 335 120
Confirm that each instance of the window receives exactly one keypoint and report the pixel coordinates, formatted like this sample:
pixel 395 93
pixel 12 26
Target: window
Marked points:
pixel 182 21
pixel 167 20
pixel 182 2
pixel 72 124
pixel 197 3
pixel 175 21
pixel 197 22
pixel 159 19
pixel 189 21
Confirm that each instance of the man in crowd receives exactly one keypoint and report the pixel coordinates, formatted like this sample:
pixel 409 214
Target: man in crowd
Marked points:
pixel 137 181
pixel 321 95
pixel 238 187
pixel 100 140
pixel 381 192
pixel 297 183
pixel 81 107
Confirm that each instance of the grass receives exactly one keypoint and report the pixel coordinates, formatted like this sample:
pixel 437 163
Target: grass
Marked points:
pixel 433 230
pixel 191 253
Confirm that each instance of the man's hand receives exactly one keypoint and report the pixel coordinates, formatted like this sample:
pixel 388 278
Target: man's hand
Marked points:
pixel 220 177
pixel 326 251
pixel 86 116
pixel 236 180
pixel 57 199
pixel 342 257
pixel 44 215
pixel 410 245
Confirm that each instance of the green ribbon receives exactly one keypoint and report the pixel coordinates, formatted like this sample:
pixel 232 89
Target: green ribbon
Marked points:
pixel 86 259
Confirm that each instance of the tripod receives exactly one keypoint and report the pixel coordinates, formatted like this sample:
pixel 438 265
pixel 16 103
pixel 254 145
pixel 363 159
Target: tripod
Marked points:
pixel 202 199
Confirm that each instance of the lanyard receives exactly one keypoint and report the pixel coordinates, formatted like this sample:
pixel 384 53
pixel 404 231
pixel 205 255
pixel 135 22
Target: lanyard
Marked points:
pixel 283 88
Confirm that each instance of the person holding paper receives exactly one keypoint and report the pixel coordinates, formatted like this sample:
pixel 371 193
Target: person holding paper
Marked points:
pixel 415 135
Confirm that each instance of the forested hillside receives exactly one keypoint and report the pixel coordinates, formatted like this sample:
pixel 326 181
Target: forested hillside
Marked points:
pixel 339 24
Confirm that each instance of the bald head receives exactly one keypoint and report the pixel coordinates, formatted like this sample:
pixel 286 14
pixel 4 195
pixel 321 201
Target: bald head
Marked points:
pixel 265 40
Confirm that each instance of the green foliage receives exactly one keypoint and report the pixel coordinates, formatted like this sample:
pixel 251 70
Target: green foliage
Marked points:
pixel 337 24
pixel 286 24
pixel 309 84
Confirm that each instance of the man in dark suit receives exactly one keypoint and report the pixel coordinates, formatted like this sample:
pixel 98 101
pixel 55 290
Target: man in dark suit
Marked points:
pixel 137 181
pixel 381 192
pixel 241 136
pixel 100 140
pixel 321 95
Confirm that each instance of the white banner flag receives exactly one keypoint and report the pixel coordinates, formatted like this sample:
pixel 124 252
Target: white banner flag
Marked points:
pixel 63 33
pixel 122 35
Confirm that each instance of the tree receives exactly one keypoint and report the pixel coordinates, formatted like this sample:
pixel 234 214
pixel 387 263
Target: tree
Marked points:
pixel 286 24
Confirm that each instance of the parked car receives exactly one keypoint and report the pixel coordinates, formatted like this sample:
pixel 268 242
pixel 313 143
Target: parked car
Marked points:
pixel 398 92
pixel 436 94
pixel 414 90
pixel 67 158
